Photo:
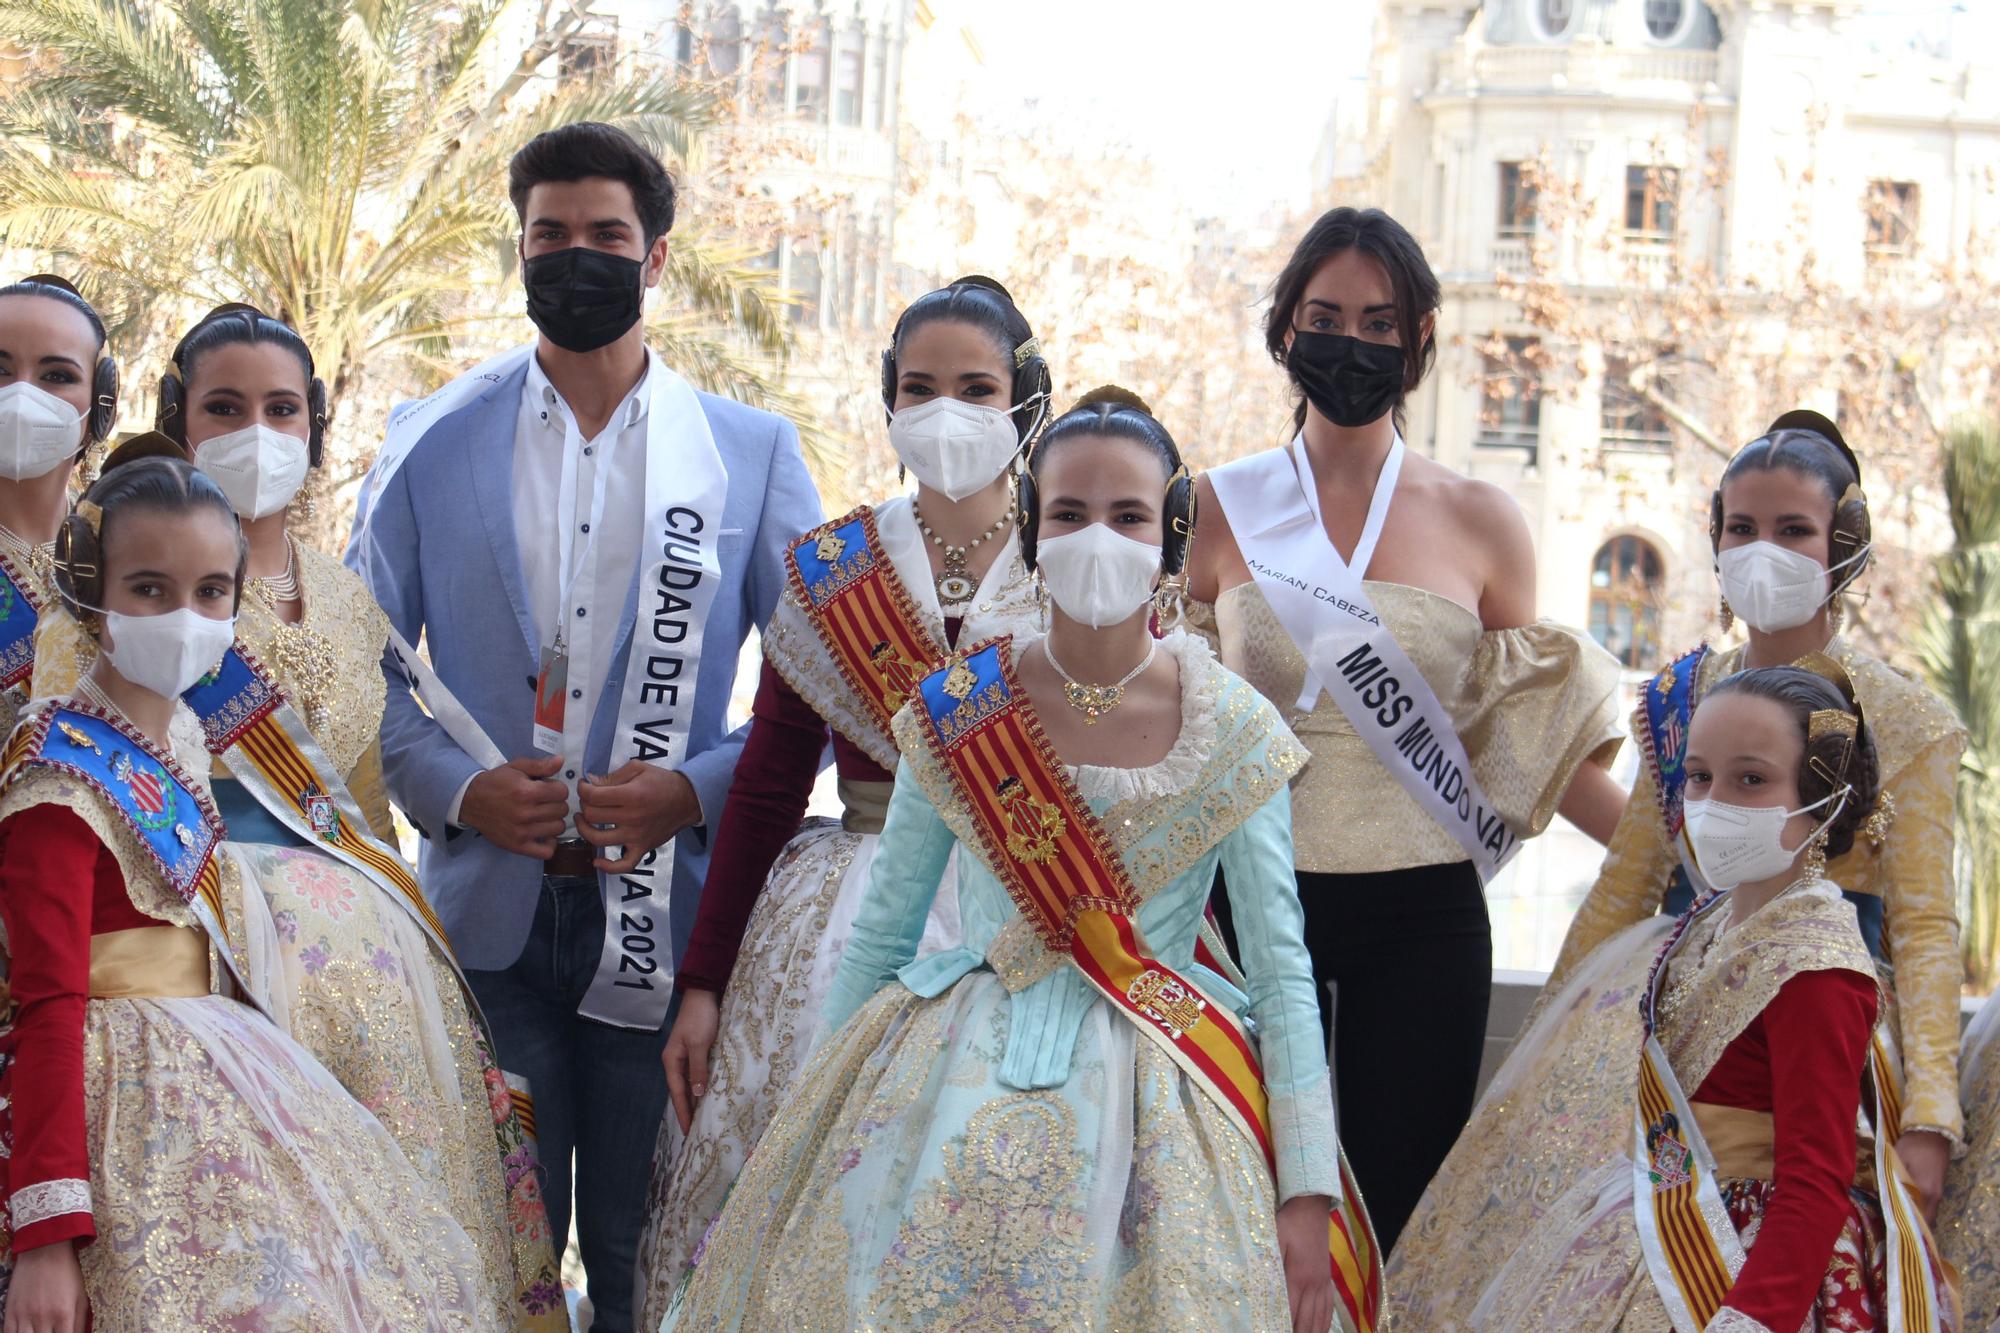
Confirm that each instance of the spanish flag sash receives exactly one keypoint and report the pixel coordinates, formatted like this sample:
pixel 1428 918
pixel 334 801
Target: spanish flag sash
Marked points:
pixel 20 610
pixel 245 717
pixel 174 820
pixel 1691 1246
pixel 861 611
pixel 1048 848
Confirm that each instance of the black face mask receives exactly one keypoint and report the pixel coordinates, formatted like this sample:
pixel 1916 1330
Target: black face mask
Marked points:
pixel 1351 382
pixel 581 298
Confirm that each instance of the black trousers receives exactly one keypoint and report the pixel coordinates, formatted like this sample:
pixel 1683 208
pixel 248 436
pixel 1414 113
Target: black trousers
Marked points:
pixel 1410 955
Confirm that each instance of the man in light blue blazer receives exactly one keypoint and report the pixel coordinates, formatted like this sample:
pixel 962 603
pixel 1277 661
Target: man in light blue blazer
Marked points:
pixel 579 538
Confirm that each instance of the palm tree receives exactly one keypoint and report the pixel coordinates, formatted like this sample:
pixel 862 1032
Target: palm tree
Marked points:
pixel 1961 654
pixel 341 164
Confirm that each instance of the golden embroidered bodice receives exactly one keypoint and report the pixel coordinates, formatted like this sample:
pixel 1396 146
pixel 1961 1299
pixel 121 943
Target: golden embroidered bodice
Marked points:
pixel 1918 742
pixel 1531 704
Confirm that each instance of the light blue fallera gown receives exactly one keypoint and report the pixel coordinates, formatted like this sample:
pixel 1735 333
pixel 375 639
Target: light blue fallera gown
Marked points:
pixel 983 1141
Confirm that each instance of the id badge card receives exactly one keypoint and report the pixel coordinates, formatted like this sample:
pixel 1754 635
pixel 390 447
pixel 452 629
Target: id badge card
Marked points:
pixel 551 693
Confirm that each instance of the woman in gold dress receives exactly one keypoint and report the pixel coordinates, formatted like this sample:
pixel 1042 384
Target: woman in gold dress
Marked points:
pixel 58 396
pixel 1795 488
pixel 1394 846
pixel 354 970
pixel 170 1160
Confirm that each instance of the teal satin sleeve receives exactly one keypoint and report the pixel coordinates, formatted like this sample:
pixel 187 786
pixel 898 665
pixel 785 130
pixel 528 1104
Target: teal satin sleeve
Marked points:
pixel 1270 936
pixel 909 863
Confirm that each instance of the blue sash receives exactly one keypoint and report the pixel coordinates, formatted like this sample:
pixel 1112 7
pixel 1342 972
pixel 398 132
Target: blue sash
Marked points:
pixel 19 613
pixel 1665 709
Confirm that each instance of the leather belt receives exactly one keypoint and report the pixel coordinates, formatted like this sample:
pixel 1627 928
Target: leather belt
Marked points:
pixel 571 858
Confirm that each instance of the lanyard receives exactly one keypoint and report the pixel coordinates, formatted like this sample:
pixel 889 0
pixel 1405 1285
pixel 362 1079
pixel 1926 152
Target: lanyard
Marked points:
pixel 1378 503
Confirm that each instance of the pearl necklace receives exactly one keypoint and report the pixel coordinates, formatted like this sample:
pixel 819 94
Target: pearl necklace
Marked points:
pixel 1094 701
pixel 955 583
pixel 279 588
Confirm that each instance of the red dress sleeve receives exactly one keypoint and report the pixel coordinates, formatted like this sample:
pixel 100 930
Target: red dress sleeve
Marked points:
pixel 1815 1034
pixel 767 799
pixel 48 880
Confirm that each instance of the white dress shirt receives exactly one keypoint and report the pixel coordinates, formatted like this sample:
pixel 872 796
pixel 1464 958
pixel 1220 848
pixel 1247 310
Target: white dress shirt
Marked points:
pixel 587 598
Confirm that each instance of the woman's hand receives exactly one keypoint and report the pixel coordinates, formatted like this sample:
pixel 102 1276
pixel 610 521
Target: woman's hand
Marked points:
pixel 1925 1155
pixel 47 1293
pixel 1302 1239
pixel 686 1055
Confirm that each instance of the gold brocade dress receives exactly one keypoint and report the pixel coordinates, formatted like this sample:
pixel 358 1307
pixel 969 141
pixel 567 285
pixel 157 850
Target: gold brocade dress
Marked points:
pixel 1532 705
pixel 231 1183
pixel 1918 742
pixel 346 969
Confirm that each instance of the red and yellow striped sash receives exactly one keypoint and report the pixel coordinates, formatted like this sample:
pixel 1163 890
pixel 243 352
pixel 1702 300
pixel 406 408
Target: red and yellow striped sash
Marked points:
pixel 850 592
pixel 1052 853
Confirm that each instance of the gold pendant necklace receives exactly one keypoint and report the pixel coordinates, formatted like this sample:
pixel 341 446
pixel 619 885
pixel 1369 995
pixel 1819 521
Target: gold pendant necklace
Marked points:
pixel 955 583
pixel 1094 701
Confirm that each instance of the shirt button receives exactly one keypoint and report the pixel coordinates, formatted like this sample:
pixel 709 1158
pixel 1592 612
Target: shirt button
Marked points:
pixel 588 451
pixel 576 694
pixel 569 772
pixel 586 527
pixel 582 611
pixel 545 416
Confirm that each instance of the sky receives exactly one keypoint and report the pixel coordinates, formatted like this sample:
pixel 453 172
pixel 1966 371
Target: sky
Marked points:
pixel 1234 97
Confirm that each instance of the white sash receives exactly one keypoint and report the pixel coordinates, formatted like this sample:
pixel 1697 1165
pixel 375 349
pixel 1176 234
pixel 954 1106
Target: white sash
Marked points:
pixel 679 573
pixel 1320 599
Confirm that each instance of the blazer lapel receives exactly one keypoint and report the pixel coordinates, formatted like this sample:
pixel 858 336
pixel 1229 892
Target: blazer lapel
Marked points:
pixel 487 446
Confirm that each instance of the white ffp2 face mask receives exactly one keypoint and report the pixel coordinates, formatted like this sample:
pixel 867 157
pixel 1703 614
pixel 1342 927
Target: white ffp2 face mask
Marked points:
pixel 1773 588
pixel 1738 844
pixel 258 468
pixel 1097 576
pixel 169 652
pixel 956 448
pixel 38 431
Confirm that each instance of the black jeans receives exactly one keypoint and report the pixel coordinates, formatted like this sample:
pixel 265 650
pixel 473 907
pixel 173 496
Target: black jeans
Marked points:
pixel 1410 955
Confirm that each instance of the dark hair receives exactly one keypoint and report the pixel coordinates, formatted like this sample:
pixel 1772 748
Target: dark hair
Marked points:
pixel 103 412
pixel 1110 411
pixel 1414 287
pixel 154 482
pixel 989 307
pixel 587 149
pixel 235 326
pixel 1827 761
pixel 1809 445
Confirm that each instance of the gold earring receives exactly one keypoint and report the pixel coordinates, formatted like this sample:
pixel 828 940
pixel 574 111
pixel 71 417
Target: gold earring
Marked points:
pixel 1170 605
pixel 1836 614
pixel 1815 863
pixel 1041 602
pixel 1724 615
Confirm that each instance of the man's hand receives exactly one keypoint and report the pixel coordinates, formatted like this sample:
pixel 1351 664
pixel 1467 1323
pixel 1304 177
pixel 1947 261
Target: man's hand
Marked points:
pixel 686 1055
pixel 516 806
pixel 642 806
pixel 1302 1232
pixel 1925 1155
pixel 47 1295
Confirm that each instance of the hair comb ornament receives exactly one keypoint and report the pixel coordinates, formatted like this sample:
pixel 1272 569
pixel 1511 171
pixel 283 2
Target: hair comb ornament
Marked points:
pixel 1028 349
pixel 90 513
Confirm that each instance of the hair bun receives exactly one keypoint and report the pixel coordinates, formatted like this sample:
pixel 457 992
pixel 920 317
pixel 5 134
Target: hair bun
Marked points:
pixel 148 444
pixel 981 280
pixel 53 280
pixel 1805 419
pixel 1114 395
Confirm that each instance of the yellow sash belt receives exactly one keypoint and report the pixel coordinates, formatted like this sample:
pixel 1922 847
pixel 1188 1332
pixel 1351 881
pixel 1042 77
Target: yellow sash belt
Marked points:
pixel 864 805
pixel 148 962
pixel 1742 1141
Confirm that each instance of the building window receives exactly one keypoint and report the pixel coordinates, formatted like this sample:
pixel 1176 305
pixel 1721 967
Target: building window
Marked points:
pixel 1553 16
pixel 1665 19
pixel 588 54
pixel 1893 210
pixel 1510 398
pixel 878 85
pixel 1626 418
pixel 771 50
pixel 1649 199
pixel 809 99
pixel 683 45
pixel 725 44
pixel 1627 581
pixel 1517 202
pixel 806 283
pixel 847 86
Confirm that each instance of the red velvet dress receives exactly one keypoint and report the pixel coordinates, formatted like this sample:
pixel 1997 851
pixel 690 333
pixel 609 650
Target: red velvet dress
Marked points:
pixel 1807 1229
pixel 59 886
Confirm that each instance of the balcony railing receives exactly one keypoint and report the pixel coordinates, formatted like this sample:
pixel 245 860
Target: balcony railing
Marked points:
pixel 1579 67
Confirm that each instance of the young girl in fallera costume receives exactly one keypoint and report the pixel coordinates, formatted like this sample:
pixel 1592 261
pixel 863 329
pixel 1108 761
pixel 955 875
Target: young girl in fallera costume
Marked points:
pixel 1790 526
pixel 336 938
pixel 176 1162
pixel 1758 1055
pixel 58 396
pixel 1426 582
pixel 1060 1122
pixel 876 599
